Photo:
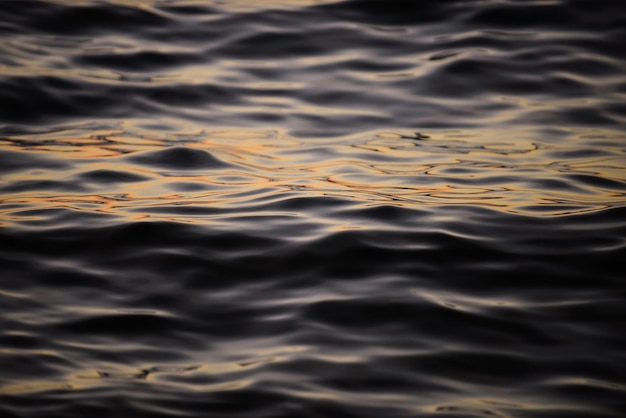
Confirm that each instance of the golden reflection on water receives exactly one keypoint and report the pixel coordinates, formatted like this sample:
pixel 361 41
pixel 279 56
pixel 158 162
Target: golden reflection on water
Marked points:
pixel 204 376
pixel 376 168
pixel 506 407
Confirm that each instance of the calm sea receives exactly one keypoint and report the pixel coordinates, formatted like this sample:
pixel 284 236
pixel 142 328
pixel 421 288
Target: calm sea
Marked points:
pixel 299 208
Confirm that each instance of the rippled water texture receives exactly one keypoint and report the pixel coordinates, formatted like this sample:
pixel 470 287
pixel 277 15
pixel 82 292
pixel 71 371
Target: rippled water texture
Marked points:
pixel 312 208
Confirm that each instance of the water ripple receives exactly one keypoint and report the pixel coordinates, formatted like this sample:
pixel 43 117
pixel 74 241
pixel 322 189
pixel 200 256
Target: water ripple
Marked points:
pixel 315 208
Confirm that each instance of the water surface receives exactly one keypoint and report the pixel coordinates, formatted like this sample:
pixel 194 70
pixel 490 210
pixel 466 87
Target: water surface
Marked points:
pixel 312 208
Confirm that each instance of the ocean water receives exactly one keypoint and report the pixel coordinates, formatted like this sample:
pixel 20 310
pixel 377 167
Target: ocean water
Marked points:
pixel 299 208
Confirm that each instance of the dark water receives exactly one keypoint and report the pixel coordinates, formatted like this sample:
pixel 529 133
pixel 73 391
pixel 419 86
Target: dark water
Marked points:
pixel 313 208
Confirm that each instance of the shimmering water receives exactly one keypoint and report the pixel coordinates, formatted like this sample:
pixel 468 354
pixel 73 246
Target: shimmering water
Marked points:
pixel 312 208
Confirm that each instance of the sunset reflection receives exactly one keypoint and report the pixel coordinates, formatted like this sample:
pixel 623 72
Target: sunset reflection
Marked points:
pixel 378 168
